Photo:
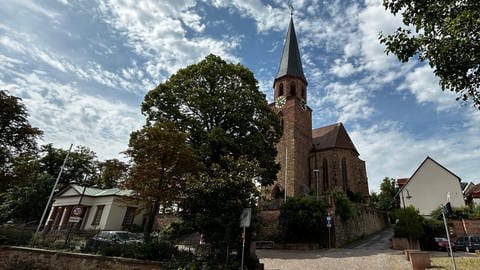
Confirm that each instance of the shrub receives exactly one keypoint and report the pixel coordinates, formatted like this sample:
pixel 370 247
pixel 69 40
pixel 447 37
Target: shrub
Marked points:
pixel 410 223
pixel 302 219
pixel 15 236
pixel 343 206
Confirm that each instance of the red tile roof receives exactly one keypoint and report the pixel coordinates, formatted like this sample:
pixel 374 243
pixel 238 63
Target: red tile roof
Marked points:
pixel 332 136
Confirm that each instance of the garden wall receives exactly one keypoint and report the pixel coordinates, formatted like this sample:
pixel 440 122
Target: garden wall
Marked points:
pixel 472 226
pixel 364 221
pixel 46 259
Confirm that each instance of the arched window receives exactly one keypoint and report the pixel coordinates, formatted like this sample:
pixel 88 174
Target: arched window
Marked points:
pixel 344 174
pixel 280 90
pixel 292 89
pixel 325 175
pixel 280 116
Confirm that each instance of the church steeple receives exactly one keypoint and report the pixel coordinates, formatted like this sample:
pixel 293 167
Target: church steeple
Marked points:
pixel 291 63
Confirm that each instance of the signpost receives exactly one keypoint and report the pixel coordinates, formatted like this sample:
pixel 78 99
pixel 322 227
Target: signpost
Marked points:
pixel 329 222
pixel 245 220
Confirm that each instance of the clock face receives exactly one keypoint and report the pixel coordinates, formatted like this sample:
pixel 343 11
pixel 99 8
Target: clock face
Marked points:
pixel 280 102
pixel 303 105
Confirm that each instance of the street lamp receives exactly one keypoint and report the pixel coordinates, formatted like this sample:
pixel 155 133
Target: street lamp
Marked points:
pixel 316 172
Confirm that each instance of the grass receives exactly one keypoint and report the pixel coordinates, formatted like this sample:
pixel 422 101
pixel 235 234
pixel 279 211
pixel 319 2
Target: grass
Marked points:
pixel 462 263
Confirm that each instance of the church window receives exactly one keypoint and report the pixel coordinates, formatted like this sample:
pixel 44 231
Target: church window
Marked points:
pixel 344 174
pixel 280 90
pixel 303 92
pixel 292 89
pixel 325 175
pixel 280 116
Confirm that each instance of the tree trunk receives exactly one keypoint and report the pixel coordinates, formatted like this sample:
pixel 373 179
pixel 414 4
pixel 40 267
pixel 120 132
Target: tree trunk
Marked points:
pixel 150 221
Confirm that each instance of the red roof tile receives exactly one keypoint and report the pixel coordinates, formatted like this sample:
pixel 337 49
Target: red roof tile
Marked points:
pixel 332 136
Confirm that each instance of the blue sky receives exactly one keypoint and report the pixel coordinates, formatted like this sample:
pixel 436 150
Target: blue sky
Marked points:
pixel 83 67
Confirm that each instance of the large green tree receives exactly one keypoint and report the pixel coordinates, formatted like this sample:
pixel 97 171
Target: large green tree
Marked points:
pixel 446 33
pixel 17 136
pixel 222 111
pixel 111 172
pixel 161 163
pixel 233 131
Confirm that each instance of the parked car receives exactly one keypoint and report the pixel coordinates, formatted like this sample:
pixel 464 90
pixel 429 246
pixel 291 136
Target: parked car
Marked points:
pixel 468 243
pixel 441 243
pixel 110 238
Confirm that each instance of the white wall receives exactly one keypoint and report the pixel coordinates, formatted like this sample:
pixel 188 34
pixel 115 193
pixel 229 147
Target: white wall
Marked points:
pixel 429 186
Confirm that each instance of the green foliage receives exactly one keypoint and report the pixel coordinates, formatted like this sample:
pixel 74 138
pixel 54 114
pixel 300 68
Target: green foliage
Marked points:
pixel 111 173
pixel 213 204
pixel 15 236
pixel 219 107
pixel 385 200
pixel 472 212
pixel 343 206
pixel 355 197
pixel 162 162
pixel 446 35
pixel 303 219
pixel 17 137
pixel 410 223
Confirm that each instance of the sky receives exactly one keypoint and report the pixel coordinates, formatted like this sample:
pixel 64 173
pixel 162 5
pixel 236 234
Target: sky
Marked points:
pixel 82 68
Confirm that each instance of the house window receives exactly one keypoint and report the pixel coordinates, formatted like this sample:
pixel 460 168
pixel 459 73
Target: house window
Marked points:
pixel 325 175
pixel 280 90
pixel 293 92
pixel 98 215
pixel 344 174
pixel 129 216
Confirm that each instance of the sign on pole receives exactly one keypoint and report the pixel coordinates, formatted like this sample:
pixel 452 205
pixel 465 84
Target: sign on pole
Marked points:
pixel 329 221
pixel 246 217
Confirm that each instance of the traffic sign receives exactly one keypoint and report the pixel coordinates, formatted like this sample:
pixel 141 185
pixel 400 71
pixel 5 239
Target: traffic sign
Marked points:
pixel 329 221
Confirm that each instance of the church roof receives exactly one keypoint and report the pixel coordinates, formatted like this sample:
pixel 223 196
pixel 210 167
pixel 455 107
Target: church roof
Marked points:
pixel 291 63
pixel 332 136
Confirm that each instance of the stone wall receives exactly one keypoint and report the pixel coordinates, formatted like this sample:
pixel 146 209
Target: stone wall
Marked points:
pixel 37 258
pixel 364 221
pixel 269 227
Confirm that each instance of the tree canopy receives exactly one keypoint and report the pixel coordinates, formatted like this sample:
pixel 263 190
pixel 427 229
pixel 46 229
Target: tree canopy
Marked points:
pixel 231 128
pixel 446 33
pixel 219 107
pixel 161 163
pixel 17 136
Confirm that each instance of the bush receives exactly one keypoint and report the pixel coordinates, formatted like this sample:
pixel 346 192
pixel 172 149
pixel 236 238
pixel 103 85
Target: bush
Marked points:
pixel 343 206
pixel 15 236
pixel 410 223
pixel 302 219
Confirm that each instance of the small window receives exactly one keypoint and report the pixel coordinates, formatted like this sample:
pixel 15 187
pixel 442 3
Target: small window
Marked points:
pixel 129 216
pixel 344 174
pixel 98 215
pixel 280 90
pixel 293 91
pixel 303 92
pixel 325 175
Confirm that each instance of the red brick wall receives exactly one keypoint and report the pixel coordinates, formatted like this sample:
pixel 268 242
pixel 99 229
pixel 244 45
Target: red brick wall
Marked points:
pixel 472 225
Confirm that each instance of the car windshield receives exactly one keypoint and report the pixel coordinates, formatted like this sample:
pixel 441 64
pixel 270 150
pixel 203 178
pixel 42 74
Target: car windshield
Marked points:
pixel 124 236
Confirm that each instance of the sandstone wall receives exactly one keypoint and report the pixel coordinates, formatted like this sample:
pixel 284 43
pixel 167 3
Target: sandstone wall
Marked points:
pixel 38 258
pixel 364 221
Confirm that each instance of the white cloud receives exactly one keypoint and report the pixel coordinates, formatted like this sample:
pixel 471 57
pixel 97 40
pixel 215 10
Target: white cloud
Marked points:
pixel 67 116
pixel 342 69
pixel 423 84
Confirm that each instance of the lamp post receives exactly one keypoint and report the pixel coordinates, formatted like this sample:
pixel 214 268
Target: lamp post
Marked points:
pixel 316 172
pixel 405 214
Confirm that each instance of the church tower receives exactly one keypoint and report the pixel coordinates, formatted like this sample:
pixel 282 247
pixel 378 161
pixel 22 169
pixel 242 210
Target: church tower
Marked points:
pixel 290 92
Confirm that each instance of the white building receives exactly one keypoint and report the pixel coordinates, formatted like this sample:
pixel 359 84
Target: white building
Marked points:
pixel 430 186
pixel 96 209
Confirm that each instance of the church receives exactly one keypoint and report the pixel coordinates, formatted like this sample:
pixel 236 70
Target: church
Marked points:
pixel 316 160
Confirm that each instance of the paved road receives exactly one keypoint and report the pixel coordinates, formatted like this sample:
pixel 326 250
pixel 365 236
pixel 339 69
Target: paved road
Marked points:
pixel 368 254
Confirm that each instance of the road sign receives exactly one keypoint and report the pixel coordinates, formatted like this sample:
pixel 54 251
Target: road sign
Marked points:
pixel 77 211
pixel 246 217
pixel 74 219
pixel 329 221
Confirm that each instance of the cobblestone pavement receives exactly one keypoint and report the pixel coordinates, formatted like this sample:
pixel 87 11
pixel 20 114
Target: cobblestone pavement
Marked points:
pixel 332 259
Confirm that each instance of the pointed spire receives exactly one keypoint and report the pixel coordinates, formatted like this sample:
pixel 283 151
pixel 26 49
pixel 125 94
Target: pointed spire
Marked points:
pixel 291 63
